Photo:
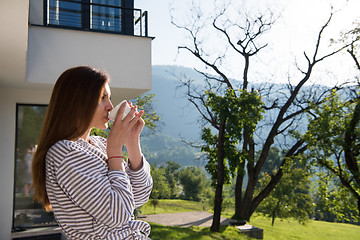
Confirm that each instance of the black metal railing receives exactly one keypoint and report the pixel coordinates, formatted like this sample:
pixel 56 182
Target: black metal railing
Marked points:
pixel 92 16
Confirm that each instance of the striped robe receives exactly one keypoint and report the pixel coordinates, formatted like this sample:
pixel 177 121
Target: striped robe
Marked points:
pixel 90 201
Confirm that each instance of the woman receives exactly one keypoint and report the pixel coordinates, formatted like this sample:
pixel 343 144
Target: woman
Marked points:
pixel 84 179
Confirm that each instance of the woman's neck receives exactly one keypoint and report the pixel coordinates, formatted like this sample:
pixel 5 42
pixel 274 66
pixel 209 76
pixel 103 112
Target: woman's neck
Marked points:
pixel 86 135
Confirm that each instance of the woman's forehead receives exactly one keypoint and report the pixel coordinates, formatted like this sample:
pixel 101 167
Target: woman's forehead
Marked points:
pixel 107 90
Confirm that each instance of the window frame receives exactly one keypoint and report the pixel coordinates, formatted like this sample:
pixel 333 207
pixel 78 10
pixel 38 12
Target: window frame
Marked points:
pixel 15 180
pixel 125 24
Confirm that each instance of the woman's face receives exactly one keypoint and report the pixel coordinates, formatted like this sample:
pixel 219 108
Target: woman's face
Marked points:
pixel 101 117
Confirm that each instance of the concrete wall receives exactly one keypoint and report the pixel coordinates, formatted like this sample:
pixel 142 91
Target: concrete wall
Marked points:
pixel 127 59
pixel 8 100
pixel 13 41
pixel 36 12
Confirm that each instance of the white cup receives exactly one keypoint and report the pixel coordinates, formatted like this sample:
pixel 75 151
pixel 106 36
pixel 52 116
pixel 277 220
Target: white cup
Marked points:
pixel 113 113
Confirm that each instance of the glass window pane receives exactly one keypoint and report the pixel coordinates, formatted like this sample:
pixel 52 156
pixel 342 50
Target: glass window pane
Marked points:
pixel 27 213
pixel 64 13
pixel 105 17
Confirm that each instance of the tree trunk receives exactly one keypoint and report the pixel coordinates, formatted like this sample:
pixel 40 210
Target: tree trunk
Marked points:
pixel 274 213
pixel 246 212
pixel 238 191
pixel 215 226
pixel 351 161
pixel 350 141
pixel 243 205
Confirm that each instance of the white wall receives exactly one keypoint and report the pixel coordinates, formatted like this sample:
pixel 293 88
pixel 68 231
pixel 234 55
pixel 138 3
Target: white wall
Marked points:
pixel 36 12
pixel 13 41
pixel 8 100
pixel 126 58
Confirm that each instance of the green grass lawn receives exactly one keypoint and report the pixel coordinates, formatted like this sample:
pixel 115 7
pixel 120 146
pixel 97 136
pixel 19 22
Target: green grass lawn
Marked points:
pixel 282 229
pixel 159 232
pixel 173 206
pixel 314 230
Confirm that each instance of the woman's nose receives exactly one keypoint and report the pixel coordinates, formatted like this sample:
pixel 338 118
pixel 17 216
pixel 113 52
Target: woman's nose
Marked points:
pixel 110 106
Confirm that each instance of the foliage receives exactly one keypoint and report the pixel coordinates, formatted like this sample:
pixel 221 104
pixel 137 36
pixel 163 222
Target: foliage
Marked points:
pixel 239 111
pixel 171 181
pixel 333 201
pixel 170 174
pixel 167 177
pixel 160 148
pixel 326 138
pixel 193 181
pixel 154 202
pixel 172 170
pixel 240 32
pixel 144 102
pixel 227 200
pixel 161 187
pixel 291 198
pixel 273 160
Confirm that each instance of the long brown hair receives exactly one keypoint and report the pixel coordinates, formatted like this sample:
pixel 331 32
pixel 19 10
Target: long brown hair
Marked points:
pixel 73 102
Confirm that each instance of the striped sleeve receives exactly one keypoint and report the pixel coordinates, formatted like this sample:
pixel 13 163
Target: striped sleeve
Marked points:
pixel 141 182
pixel 106 197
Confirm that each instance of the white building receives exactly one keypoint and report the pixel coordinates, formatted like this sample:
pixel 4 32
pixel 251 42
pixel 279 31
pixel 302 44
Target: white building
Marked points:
pixel 39 39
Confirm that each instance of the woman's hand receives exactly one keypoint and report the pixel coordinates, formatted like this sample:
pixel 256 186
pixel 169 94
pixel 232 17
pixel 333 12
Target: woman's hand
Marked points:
pixel 138 126
pixel 126 131
pixel 133 142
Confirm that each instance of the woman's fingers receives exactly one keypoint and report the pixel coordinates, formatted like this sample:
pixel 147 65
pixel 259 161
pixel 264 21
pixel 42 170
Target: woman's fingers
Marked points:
pixel 125 126
pixel 131 114
pixel 121 111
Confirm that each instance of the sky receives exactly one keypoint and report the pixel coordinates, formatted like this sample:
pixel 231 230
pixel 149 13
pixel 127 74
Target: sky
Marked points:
pixel 293 33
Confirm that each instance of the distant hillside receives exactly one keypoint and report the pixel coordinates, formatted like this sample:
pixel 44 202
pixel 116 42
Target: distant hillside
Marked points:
pixel 171 103
pixel 178 118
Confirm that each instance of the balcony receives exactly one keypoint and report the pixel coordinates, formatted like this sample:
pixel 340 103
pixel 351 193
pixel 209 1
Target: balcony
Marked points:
pixel 58 34
pixel 93 16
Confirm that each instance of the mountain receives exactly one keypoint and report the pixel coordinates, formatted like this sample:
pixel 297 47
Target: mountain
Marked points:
pixel 178 120
pixel 178 115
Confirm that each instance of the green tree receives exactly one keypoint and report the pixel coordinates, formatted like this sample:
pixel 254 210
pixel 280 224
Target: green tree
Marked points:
pixel 234 112
pixel 144 102
pixel 291 198
pixel 193 181
pixel 161 188
pixel 172 170
pixel 333 138
pixel 240 32
pixel 333 141
pixel 333 203
pixel 273 160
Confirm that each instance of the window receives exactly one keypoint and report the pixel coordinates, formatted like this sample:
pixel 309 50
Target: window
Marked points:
pixel 27 213
pixel 101 15
pixel 106 18
pixel 65 13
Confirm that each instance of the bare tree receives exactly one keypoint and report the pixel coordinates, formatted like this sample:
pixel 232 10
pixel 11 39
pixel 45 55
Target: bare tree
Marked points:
pixel 244 38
